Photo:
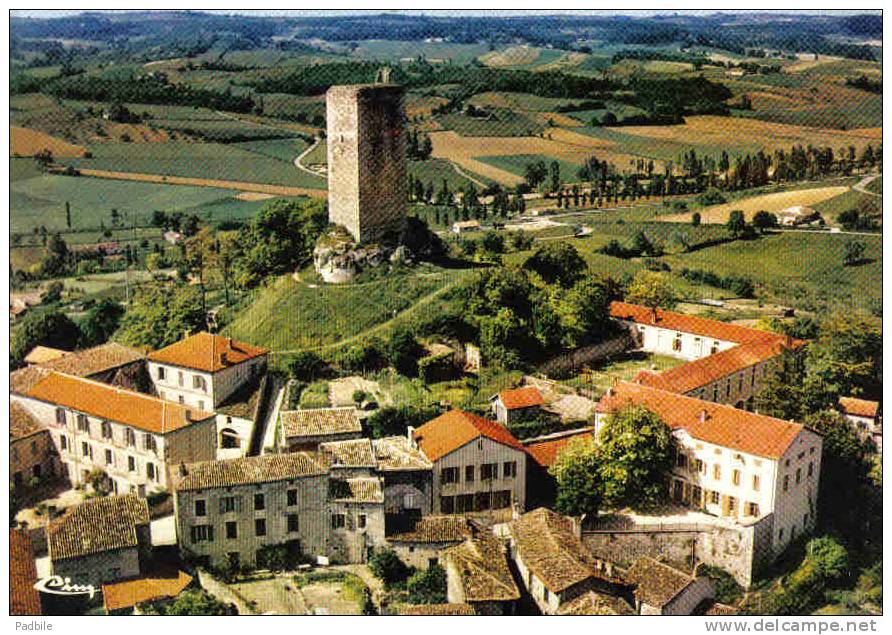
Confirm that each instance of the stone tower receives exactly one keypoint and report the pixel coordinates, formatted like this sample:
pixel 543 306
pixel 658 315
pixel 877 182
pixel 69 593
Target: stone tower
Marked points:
pixel 367 159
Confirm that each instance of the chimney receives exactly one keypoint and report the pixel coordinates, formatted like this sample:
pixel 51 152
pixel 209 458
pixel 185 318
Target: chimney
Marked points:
pixel 410 435
pixel 703 416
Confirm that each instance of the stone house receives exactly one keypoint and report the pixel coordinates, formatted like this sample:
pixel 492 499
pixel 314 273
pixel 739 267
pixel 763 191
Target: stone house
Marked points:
pixel 732 463
pixel 238 414
pixel 420 544
pixel 554 565
pixel 32 454
pixel 518 404
pixel 865 417
pixel 110 363
pixel 357 518
pixel 664 590
pixel 306 429
pixel 477 574
pixel 227 511
pixel 101 540
pixel 131 437
pixel 408 485
pixel 477 464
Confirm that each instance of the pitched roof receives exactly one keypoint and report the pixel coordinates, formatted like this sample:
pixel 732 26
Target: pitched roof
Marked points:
pixel 156 585
pixel 98 359
pixel 436 609
pixel 658 583
pixel 703 371
pixel 23 597
pixel 594 603
pixel 690 324
pixel 454 429
pixel 722 425
pixel 397 454
pixel 431 529
pixel 266 468
pixel 21 380
pixel 207 352
pixel 319 422
pixel 42 354
pixel 21 423
pixel 548 546
pixel 350 453
pixel 243 402
pixel 115 404
pixel 525 397
pixel 356 490
pixel 545 450
pixel 482 567
pixel 97 525
pixel 859 407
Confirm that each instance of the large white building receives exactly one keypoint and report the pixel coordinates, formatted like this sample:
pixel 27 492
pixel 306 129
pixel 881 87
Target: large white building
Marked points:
pixel 732 463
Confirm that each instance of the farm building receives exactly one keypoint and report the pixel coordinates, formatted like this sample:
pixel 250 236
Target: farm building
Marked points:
pixel 461 227
pixel 797 215
pixel 866 416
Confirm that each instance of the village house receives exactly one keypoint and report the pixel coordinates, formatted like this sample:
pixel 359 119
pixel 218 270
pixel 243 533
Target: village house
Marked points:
pixel 130 439
pixel 732 463
pixel 238 414
pixel 477 464
pixel 408 481
pixel 203 369
pixel 357 518
pixel 32 455
pixel 420 545
pixel 865 417
pixel 554 565
pixel 518 404
pixel 477 574
pixel 664 590
pixel 306 429
pixel 100 540
pixel 228 511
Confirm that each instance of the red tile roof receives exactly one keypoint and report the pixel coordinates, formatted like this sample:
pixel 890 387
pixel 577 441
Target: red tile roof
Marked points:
pixel 859 407
pixel 23 597
pixel 115 404
pixel 525 397
pixel 156 585
pixel 456 428
pixel 21 423
pixel 703 371
pixel 207 352
pixel 544 450
pixel 722 425
pixel 690 324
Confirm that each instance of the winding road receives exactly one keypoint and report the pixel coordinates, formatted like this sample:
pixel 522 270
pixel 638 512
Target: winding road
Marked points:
pixel 861 186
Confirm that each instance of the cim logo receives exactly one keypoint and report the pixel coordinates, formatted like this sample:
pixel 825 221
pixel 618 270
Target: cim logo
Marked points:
pixel 57 585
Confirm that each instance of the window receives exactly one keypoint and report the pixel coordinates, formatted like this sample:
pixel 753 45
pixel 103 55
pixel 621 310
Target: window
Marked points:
pixel 756 482
pixel 150 471
pixel 106 430
pixel 63 441
pixel 798 475
pixel 780 534
pixel 740 383
pixel 786 482
pixel 129 437
pixel 715 392
pixel 231 529
pixel 259 526
pixel 292 523
pixel 292 497
pixel 700 465
pixel 681 460
pixel 259 502
pixel 469 474
pixel 199 383
pixel 714 348
pixel 83 424
pixel 202 533
pixel 161 373
pixel 509 469
pixel 86 450
pixel 735 477
pixel 33 448
pixel 728 388
pixel 447 504
pixel 714 498
pixel 732 505
pixel 717 471
pixel 361 521
pixel 131 464
pixel 181 399
pixel 109 457
pixel 676 343
pixel 811 450
pixel 338 521
pixel 489 471
pixel 181 377
pixel 201 508
pixel 60 416
pixel 227 504
pixel 752 509
pixel 449 475
pixel 148 441
pixel 811 468
pixel 201 404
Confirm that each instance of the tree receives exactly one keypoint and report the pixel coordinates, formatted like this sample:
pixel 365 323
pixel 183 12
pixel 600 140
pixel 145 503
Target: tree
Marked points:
pixel 427 586
pixel 193 602
pixel 846 358
pixel 361 358
pixel 854 252
pixel 584 311
pixel 53 329
pixel 387 566
pixel 100 323
pixel 635 452
pixel 493 242
pixel 652 289
pixel 402 351
pixel 305 366
pixel 695 219
pixel 763 220
pixel 736 224
pixel 160 314
pixel 557 262
pixel 576 471
pixel 781 392
pixel 395 420
pixel 830 557
pixel 52 292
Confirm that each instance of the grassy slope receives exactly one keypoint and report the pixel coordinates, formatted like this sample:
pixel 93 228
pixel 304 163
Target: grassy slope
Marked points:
pixel 516 164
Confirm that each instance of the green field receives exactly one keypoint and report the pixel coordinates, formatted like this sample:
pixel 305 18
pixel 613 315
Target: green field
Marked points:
pixel 517 163
pixel 432 51
pixel 291 315
pixel 435 170
pixel 501 122
pixel 197 160
pixel 281 149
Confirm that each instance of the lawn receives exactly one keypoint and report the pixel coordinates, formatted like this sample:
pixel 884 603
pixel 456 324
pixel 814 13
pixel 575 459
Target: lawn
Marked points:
pixel 623 367
pixel 197 160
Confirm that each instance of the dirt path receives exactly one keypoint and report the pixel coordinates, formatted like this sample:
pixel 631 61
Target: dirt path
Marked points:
pixel 861 186
pixel 299 158
pixel 264 188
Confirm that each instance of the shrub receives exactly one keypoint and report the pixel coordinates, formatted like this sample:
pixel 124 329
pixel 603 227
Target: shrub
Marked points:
pixel 387 566
pixel 712 196
pixel 427 586
pixel 305 366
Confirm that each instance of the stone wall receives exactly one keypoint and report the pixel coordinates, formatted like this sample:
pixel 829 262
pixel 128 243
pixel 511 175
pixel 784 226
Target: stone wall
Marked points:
pixel 573 361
